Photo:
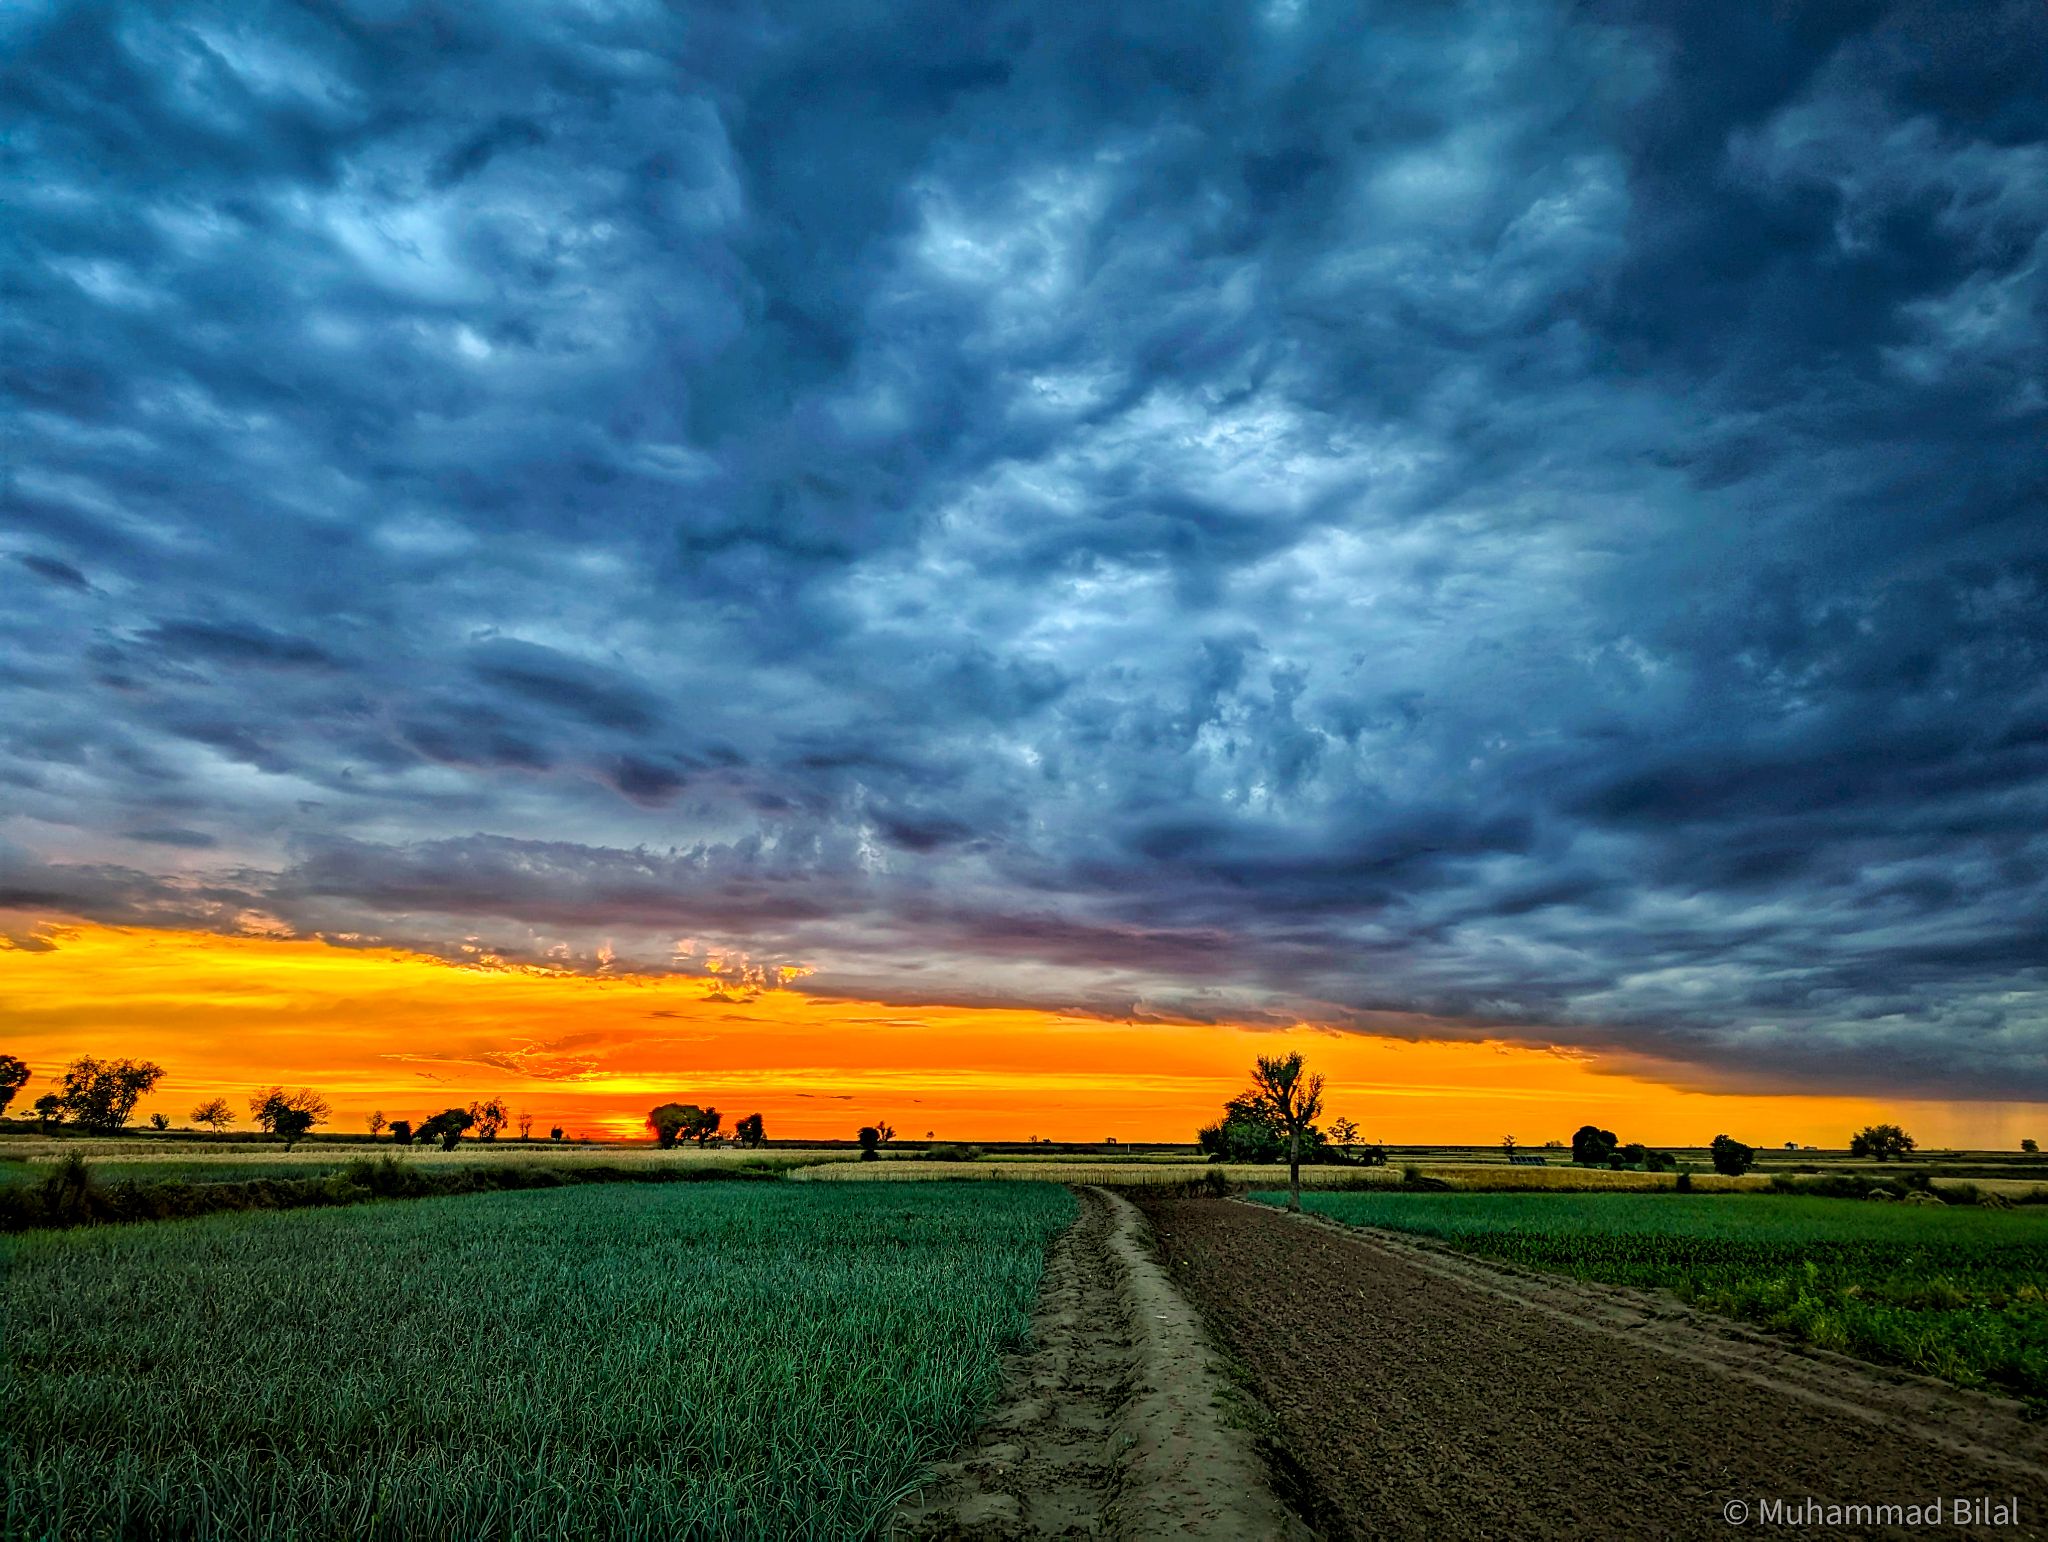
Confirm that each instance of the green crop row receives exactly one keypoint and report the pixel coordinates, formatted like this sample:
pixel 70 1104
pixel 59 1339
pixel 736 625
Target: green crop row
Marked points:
pixel 708 1360
pixel 1953 1292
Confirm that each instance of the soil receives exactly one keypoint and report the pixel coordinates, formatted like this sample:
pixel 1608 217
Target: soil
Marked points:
pixel 1410 1391
pixel 1110 1422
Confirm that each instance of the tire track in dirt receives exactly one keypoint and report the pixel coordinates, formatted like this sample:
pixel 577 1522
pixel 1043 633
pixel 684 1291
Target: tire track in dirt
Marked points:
pixel 1423 1395
pixel 1109 1423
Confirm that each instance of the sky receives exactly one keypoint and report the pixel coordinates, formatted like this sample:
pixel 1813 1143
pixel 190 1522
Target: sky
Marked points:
pixel 968 551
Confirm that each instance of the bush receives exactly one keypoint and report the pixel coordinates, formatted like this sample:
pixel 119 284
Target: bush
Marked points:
pixel 944 1152
pixel 1684 1183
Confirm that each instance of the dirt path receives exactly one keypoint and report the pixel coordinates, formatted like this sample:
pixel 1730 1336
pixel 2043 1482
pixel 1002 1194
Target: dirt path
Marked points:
pixel 1423 1394
pixel 1110 1423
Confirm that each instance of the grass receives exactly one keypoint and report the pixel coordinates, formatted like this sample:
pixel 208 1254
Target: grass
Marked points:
pixel 1955 1292
pixel 645 1361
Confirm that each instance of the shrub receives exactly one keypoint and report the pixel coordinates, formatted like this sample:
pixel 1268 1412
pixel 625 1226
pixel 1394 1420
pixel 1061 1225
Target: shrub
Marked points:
pixel 949 1153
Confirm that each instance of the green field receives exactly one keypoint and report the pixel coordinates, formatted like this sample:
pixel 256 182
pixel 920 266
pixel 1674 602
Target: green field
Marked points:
pixel 707 1359
pixel 1957 1292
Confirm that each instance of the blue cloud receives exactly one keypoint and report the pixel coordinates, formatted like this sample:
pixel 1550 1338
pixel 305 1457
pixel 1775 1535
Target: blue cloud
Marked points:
pixel 1512 519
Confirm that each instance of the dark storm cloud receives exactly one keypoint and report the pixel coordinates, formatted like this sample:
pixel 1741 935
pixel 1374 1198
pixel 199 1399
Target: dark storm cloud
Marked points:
pixel 1432 520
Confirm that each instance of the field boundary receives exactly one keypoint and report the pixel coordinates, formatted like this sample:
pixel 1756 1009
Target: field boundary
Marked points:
pixel 1902 1403
pixel 1188 1473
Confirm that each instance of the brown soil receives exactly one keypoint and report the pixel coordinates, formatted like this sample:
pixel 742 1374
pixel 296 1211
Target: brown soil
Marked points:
pixel 1412 1392
pixel 1110 1423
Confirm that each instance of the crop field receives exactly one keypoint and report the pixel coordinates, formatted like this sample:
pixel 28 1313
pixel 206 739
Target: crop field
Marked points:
pixel 1150 1172
pixel 709 1359
pixel 187 1162
pixel 1956 1292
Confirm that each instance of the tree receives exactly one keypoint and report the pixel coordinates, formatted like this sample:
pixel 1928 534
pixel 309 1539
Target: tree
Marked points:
pixel 377 1122
pixel 1731 1157
pixel 159 1121
pixel 401 1132
pixel 292 1125
pixel 1507 1144
pixel 13 1075
pixel 750 1131
pixel 1294 1098
pixel 670 1120
pixel 1884 1142
pixel 884 1131
pixel 1344 1132
pixel 446 1127
pixel 101 1094
pixel 870 1138
pixel 2030 1146
pixel 214 1113
pixel 525 1126
pixel 288 1114
pixel 49 1111
pixel 489 1117
pixel 1593 1146
pixel 555 1133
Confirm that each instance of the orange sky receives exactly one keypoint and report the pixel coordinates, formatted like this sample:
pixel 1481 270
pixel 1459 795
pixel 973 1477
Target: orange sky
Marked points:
pixel 377 1029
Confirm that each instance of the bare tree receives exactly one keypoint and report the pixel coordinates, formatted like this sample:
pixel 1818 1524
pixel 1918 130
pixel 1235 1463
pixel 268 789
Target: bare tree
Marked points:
pixel 215 1113
pixel 1507 1144
pixel 377 1123
pixel 1294 1099
pixel 1344 1131
pixel 526 1126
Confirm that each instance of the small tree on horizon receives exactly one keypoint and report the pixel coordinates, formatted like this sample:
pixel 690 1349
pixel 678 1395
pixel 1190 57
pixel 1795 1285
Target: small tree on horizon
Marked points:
pixel 555 1133
pixel 870 1139
pixel 525 1126
pixel 1882 1142
pixel 288 1115
pixel 1731 1157
pixel 159 1120
pixel 401 1132
pixel 1295 1098
pixel 750 1131
pixel 214 1113
pixel 1507 1144
pixel 377 1122
pixel 13 1077
pixel 446 1127
pixel 49 1111
pixel 488 1118
pixel 2030 1146
pixel 1344 1132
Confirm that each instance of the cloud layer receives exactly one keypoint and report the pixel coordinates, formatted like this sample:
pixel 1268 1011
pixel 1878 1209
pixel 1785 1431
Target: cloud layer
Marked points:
pixel 1449 521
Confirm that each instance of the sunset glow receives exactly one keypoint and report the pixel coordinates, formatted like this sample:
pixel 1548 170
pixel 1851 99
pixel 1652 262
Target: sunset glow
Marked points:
pixel 378 1029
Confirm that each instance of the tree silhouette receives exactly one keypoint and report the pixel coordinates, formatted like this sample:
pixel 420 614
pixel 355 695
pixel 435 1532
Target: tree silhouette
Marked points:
pixel 489 1117
pixel 1294 1098
pixel 377 1122
pixel 101 1094
pixel 214 1113
pixel 870 1138
pixel 1884 1142
pixel 13 1075
pixel 446 1127
pixel 288 1114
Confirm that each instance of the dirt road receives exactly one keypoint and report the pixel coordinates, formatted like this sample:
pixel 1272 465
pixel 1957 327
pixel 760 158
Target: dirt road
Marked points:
pixel 1110 1424
pixel 1413 1393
